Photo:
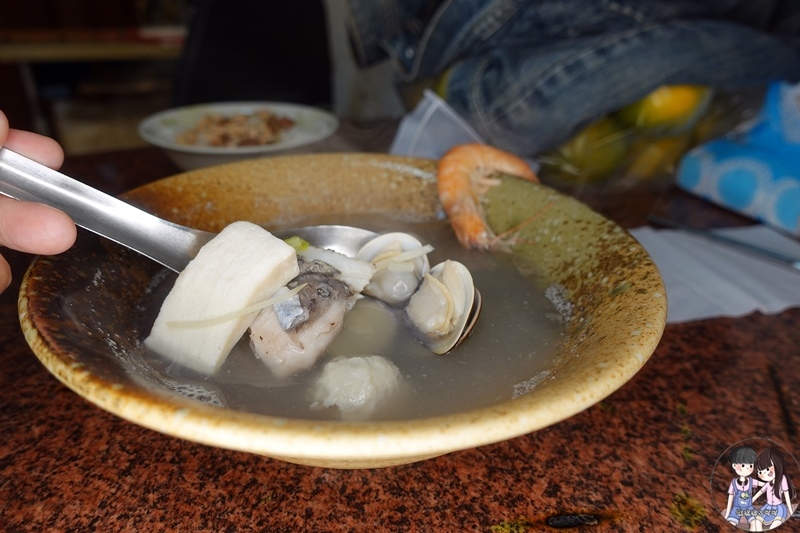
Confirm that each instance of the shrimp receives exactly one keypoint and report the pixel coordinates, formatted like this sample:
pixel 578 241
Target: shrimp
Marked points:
pixel 464 176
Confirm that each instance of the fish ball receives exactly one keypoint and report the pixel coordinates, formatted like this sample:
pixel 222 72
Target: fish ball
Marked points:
pixel 357 385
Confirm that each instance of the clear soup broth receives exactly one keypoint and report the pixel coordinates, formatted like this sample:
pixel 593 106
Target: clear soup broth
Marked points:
pixel 510 350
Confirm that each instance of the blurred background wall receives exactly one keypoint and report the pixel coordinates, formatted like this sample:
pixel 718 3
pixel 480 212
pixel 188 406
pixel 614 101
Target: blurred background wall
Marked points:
pixel 87 71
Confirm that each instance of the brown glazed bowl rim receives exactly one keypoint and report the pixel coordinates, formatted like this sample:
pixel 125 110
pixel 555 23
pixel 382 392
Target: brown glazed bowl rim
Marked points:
pixel 617 293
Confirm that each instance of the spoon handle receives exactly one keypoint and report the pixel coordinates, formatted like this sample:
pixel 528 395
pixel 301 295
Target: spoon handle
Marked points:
pixel 167 243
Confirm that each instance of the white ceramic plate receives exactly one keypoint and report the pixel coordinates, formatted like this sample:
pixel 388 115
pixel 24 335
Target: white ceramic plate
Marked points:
pixel 161 129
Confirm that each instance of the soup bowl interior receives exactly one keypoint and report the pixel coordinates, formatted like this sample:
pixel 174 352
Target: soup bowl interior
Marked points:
pixel 82 311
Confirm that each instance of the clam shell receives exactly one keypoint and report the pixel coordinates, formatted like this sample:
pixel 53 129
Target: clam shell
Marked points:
pixel 393 287
pixel 457 280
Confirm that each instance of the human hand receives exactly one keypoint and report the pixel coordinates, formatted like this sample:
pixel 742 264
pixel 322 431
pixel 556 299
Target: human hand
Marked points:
pixel 27 226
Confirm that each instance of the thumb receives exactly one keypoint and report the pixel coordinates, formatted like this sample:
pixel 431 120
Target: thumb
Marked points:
pixel 34 228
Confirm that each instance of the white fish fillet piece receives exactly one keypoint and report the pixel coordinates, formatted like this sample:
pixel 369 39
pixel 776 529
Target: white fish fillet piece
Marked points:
pixel 243 265
pixel 289 352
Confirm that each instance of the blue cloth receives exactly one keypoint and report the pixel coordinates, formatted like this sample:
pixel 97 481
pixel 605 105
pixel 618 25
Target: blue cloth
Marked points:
pixel 527 74
pixel 756 173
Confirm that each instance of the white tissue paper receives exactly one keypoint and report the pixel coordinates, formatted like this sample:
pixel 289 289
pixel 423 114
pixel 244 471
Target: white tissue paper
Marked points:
pixel 432 128
pixel 706 279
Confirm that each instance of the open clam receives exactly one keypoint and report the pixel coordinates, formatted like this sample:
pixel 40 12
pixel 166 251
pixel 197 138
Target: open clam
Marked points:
pixel 445 307
pixel 441 303
pixel 400 261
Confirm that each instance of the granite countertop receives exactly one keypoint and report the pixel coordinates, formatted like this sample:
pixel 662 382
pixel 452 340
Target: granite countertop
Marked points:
pixel 640 460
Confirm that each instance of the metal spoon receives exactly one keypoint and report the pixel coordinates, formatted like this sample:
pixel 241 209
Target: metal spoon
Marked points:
pixel 163 241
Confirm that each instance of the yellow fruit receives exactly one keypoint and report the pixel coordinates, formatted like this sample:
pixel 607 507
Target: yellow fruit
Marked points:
pixel 591 155
pixel 670 109
pixel 654 158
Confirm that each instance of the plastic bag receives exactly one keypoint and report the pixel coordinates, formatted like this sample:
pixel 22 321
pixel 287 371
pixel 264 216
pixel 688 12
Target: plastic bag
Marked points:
pixel 431 129
pixel 641 145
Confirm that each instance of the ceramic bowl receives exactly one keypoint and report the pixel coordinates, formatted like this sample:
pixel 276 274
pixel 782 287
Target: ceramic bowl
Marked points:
pixel 83 316
pixel 161 129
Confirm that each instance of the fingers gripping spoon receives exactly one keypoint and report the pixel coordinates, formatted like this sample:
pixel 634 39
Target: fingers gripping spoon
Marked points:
pixel 165 242
pixel 168 243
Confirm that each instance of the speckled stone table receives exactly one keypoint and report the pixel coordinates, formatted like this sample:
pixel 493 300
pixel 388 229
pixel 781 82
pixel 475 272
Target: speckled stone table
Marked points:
pixel 641 460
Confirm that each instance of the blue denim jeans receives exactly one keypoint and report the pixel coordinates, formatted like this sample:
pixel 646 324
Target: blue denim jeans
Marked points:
pixel 527 74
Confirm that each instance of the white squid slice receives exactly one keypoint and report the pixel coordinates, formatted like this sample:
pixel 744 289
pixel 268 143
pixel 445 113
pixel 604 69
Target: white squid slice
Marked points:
pixel 243 265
